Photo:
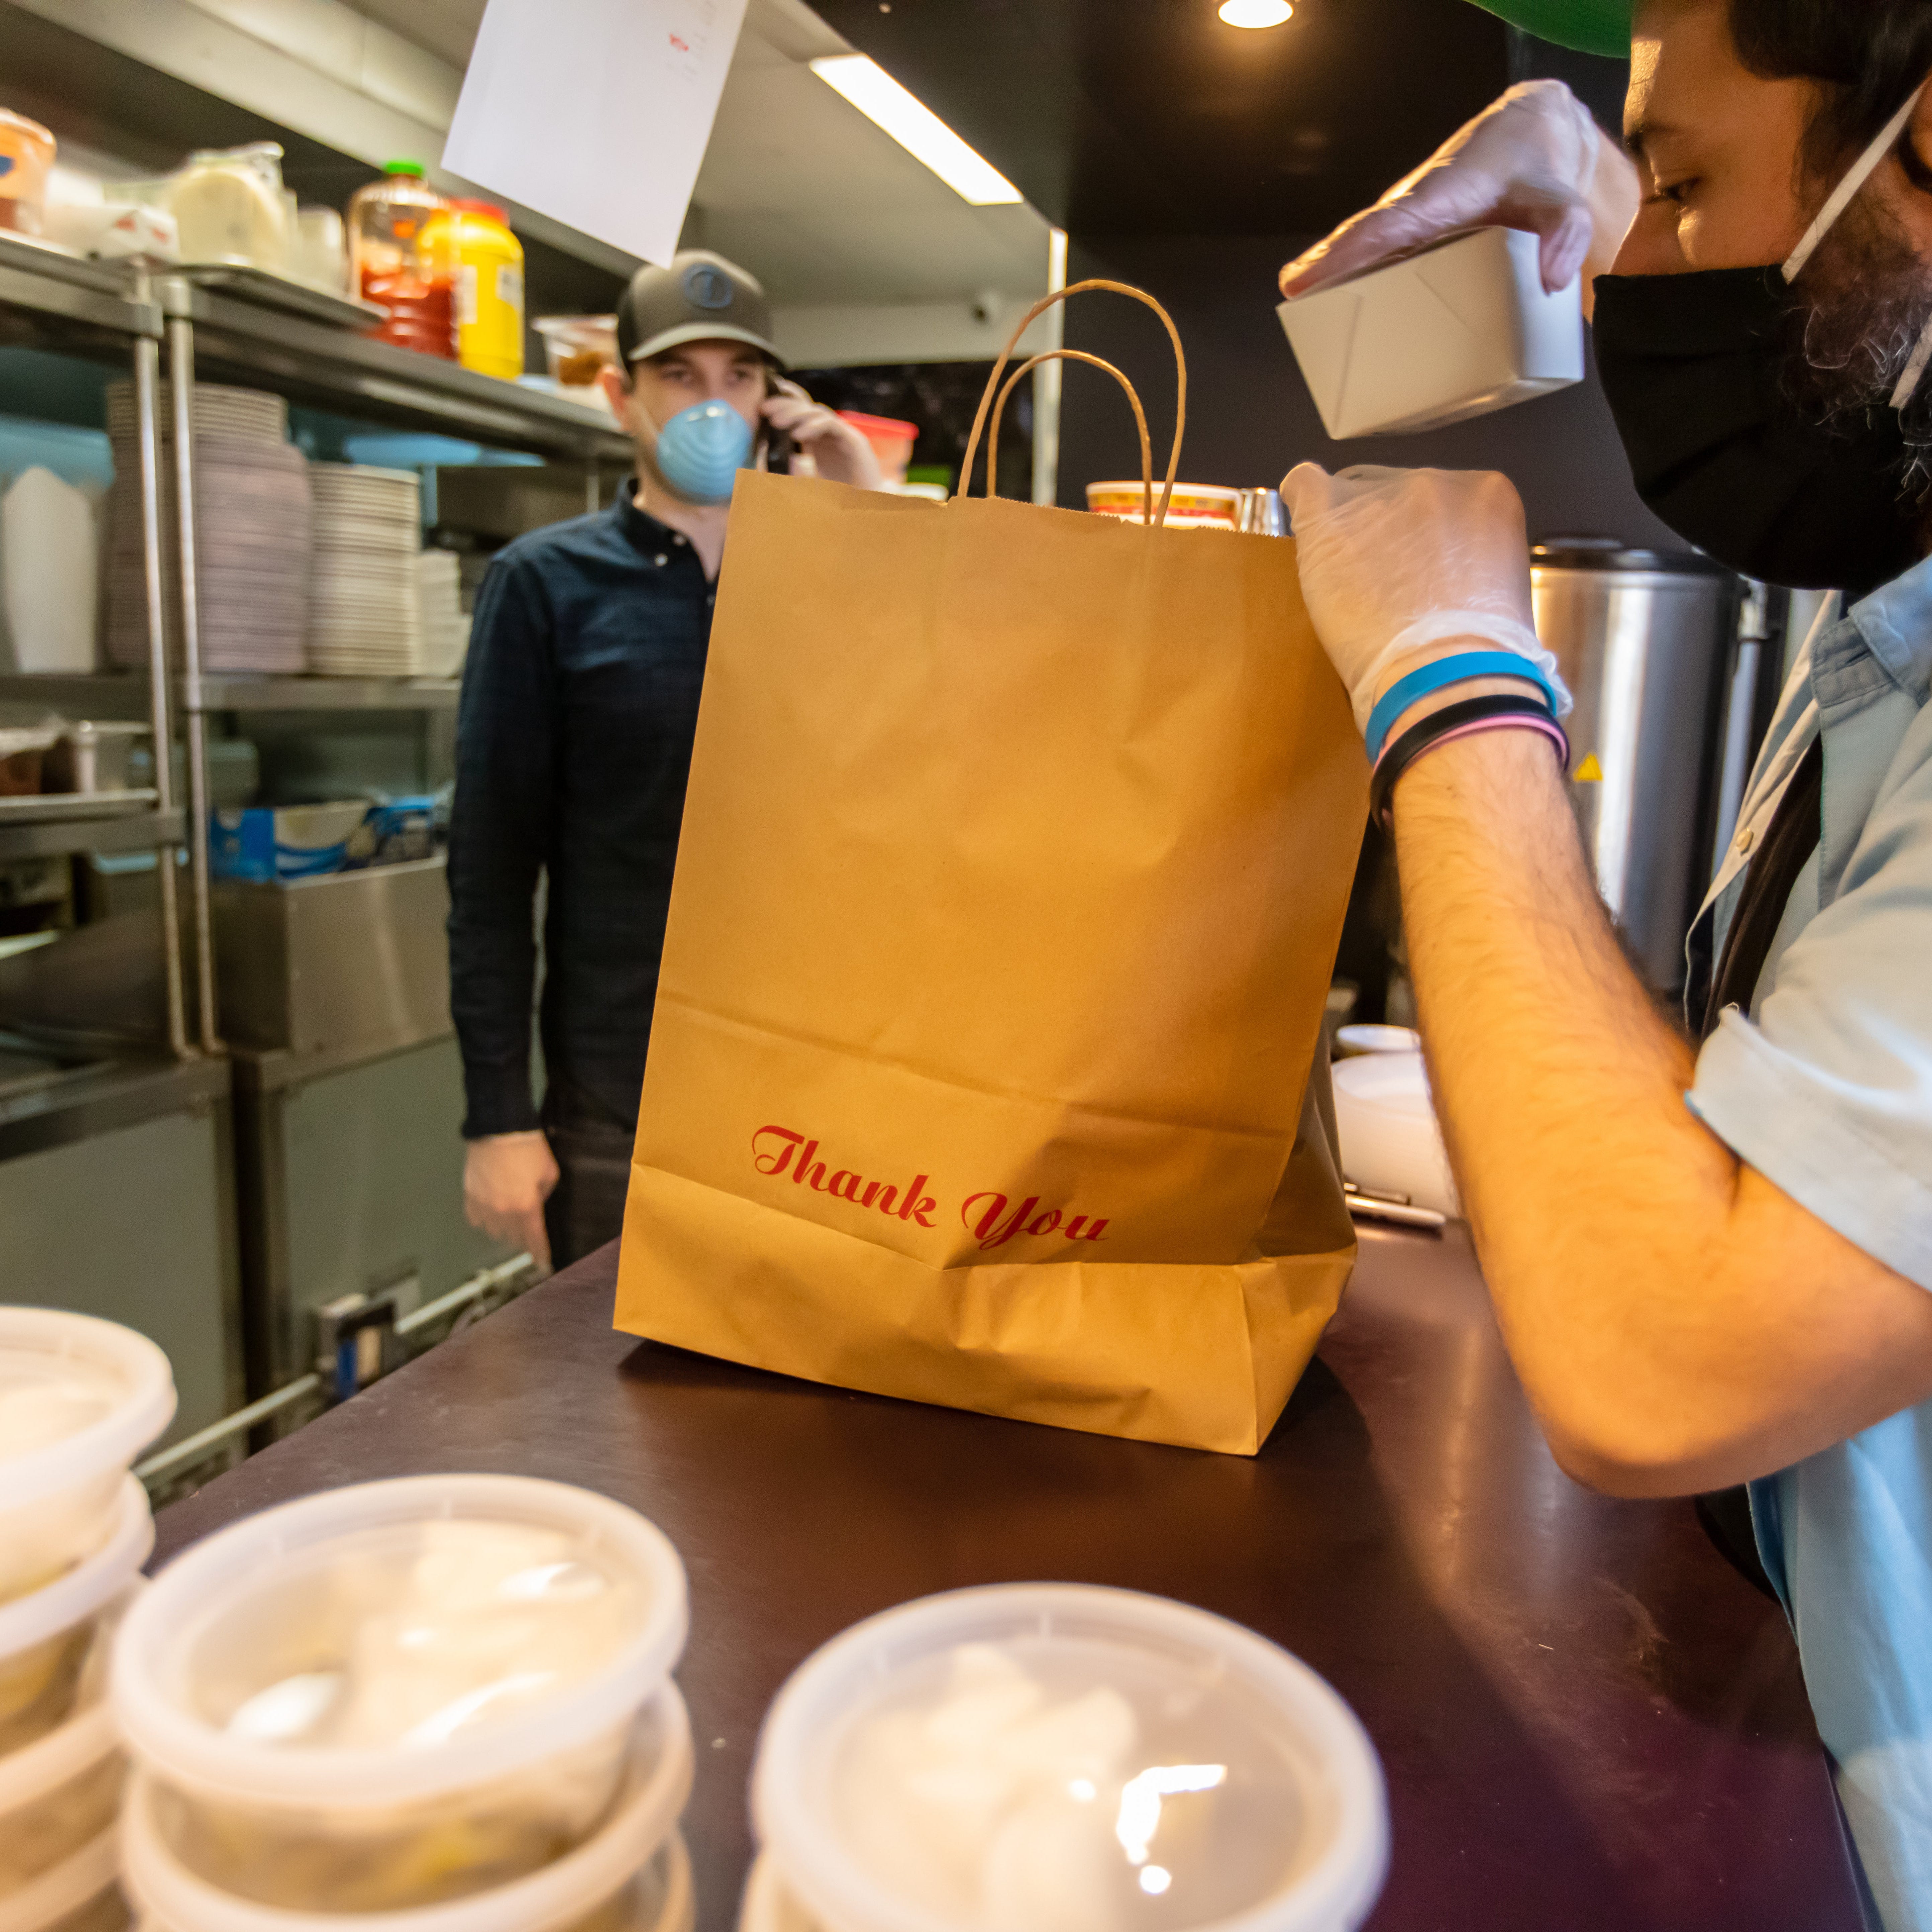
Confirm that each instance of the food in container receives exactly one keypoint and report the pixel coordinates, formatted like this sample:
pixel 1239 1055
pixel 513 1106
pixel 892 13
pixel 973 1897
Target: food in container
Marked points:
pixel 229 206
pixel 26 154
pixel 80 1894
pixel 576 349
pixel 399 260
pixel 634 1875
pixel 61 1791
pixel 488 270
pixel 1193 506
pixel 79 1398
pixel 1070 1760
pixel 406 1691
pixel 46 1634
pixel 321 249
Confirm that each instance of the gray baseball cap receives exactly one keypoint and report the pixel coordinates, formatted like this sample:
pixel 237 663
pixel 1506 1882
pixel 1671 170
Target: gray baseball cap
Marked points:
pixel 700 297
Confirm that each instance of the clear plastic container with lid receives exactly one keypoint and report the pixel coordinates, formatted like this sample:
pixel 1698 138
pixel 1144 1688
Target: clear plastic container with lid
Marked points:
pixel 1067 1759
pixel 404 1692
pixel 487 261
pixel 399 260
pixel 79 1398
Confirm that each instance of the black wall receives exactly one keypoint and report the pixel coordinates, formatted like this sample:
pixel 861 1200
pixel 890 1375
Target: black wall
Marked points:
pixel 1250 417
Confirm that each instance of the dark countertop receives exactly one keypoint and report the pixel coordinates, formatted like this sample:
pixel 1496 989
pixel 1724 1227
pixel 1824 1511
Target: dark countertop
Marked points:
pixel 1587 1719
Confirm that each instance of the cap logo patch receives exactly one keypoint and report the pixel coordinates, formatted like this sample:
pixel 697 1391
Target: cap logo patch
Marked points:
pixel 707 287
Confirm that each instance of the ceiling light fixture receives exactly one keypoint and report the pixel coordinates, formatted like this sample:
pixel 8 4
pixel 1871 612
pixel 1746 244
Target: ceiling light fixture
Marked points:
pixel 1256 13
pixel 917 129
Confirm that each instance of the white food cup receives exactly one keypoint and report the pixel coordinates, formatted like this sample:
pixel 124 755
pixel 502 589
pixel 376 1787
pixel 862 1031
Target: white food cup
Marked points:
pixel 79 1895
pixel 634 1875
pixel 432 1815
pixel 1237 1789
pixel 62 1792
pixel 57 1498
pixel 768 1905
pixel 45 1637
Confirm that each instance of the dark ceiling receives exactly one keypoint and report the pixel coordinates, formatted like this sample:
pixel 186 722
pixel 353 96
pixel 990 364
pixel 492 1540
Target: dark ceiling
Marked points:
pixel 1153 117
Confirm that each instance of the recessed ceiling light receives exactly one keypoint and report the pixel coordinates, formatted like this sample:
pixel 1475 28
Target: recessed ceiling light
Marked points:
pixel 917 129
pixel 1256 13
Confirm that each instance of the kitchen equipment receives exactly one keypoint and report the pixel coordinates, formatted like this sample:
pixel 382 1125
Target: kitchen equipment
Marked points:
pixel 488 262
pixel 96 754
pixel 1642 638
pixel 1263 514
pixel 26 154
pixel 399 260
pixel 1459 329
pixel 1391 1146
pixel 49 565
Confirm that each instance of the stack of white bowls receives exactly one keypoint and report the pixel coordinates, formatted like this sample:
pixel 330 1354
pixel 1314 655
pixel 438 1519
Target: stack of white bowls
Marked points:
pixel 445 630
pixel 252 531
pixel 364 615
pixel 1050 1755
pixel 79 1398
pixel 439 1704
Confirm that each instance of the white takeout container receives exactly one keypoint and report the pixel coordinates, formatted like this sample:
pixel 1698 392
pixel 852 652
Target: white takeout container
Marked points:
pixel 1455 331
pixel 80 1894
pixel 634 1876
pixel 538 1778
pixel 62 1792
pixel 1282 1730
pixel 58 1503
pixel 38 1630
pixel 1391 1141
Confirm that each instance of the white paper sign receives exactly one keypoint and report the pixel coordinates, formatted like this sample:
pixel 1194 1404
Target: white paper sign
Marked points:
pixel 596 112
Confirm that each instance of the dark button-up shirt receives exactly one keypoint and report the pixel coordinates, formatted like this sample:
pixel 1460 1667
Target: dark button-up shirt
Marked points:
pixel 580 701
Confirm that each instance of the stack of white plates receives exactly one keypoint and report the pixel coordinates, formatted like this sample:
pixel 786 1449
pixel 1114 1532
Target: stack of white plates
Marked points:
pixel 364 611
pixel 445 630
pixel 252 531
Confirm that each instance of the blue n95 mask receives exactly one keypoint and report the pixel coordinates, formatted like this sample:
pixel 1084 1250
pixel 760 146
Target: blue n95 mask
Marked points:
pixel 701 449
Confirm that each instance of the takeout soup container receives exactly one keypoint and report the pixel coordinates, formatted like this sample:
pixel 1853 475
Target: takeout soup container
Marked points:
pixel 47 1636
pixel 59 1793
pixel 79 1895
pixel 1192 506
pixel 501 1771
pixel 79 1398
pixel 1012 1754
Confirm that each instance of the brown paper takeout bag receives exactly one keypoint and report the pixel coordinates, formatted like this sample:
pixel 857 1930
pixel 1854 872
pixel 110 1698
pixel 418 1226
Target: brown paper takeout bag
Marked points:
pixel 1013 865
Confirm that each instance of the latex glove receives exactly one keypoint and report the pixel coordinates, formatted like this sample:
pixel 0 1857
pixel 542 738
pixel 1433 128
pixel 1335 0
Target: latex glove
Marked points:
pixel 839 453
pixel 1533 159
pixel 506 1179
pixel 1399 567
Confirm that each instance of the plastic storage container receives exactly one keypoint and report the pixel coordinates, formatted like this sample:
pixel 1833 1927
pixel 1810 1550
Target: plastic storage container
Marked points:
pixel 26 154
pixel 398 261
pixel 60 1792
pixel 229 206
pixel 892 440
pixel 79 1398
pixel 1193 506
pixel 488 262
pixel 623 1880
pixel 80 1894
pixel 1070 1760
pixel 404 1692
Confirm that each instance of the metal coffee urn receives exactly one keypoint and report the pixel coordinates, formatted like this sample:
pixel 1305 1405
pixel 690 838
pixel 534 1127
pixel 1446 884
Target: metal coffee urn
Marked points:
pixel 1644 640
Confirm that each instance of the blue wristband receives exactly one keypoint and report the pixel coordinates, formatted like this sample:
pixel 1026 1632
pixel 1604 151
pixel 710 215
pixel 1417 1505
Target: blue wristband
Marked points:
pixel 1431 677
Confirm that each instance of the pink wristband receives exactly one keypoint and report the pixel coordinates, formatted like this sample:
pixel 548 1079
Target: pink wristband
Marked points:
pixel 1549 728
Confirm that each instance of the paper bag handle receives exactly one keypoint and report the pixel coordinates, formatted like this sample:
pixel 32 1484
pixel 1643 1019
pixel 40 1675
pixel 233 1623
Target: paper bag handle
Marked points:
pixel 1026 367
pixel 1026 321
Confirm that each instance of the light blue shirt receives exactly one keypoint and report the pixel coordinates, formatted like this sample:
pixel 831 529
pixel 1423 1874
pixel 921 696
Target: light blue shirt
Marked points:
pixel 1826 1090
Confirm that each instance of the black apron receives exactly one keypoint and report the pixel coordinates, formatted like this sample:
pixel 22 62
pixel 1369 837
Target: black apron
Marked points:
pixel 1789 842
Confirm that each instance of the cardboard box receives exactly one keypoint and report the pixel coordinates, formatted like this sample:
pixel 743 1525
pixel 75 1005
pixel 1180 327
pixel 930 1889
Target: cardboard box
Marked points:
pixel 1453 331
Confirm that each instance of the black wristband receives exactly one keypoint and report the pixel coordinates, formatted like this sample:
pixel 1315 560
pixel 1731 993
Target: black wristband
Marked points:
pixel 1438 725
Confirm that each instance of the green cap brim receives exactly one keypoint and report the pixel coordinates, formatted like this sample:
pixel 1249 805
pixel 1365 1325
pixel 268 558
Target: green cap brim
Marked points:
pixel 1590 26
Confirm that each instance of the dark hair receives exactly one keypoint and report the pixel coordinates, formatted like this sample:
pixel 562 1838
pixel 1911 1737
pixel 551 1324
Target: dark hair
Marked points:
pixel 1866 56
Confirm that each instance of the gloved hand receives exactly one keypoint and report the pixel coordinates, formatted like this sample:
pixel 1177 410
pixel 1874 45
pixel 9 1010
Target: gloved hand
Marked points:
pixel 506 1179
pixel 1401 567
pixel 1533 159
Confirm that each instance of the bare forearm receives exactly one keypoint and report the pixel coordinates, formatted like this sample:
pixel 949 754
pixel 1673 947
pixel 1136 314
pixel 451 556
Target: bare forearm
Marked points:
pixel 1664 1306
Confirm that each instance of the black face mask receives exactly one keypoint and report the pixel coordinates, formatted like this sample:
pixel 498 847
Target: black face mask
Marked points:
pixel 1690 363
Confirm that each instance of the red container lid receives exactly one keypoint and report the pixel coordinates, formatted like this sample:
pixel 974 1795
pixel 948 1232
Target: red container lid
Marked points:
pixel 887 429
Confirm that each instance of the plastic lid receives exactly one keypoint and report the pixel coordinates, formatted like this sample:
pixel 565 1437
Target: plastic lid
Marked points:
pixel 404 168
pixel 488 209
pixel 890 429
pixel 283 1660
pixel 78 1397
pixel 1057 1757
pixel 556 1895
pixel 70 1600
pixel 1366 1039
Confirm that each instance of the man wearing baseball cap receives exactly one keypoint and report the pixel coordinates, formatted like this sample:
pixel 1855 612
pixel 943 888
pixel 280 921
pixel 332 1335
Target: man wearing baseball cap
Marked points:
pixel 1712 1263
pixel 580 702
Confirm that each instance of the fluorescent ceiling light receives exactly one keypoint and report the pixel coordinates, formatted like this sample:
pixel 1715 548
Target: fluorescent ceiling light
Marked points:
pixel 916 128
pixel 1256 13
